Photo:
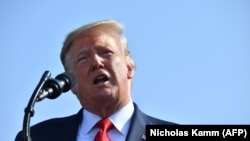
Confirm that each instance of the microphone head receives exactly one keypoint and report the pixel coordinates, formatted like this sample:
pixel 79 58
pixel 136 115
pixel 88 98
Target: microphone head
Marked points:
pixel 61 83
pixel 68 78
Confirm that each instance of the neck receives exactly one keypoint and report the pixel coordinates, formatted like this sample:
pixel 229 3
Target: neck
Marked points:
pixel 105 110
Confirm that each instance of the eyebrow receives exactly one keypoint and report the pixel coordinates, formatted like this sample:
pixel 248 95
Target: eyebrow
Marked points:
pixel 82 50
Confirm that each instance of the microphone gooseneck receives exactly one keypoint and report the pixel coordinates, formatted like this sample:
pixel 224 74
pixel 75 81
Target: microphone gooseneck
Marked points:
pixel 47 87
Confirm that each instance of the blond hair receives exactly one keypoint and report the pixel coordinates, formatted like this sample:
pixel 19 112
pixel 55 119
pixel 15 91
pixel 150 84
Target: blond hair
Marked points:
pixel 111 26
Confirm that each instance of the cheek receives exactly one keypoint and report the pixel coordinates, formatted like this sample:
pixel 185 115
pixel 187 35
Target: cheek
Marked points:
pixel 80 89
pixel 80 70
pixel 81 81
pixel 119 67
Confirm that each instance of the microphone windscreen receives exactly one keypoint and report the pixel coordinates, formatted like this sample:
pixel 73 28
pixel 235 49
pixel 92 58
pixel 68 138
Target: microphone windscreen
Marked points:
pixel 69 78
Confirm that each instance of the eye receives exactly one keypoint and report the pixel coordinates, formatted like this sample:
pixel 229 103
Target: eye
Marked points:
pixel 106 53
pixel 82 58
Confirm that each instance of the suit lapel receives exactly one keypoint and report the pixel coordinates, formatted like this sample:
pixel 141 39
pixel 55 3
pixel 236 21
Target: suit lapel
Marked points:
pixel 72 127
pixel 137 130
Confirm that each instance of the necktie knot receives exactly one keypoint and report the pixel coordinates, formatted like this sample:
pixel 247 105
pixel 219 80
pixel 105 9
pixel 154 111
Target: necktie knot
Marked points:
pixel 104 125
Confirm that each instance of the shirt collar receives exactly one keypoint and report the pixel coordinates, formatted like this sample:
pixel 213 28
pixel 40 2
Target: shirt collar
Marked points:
pixel 120 119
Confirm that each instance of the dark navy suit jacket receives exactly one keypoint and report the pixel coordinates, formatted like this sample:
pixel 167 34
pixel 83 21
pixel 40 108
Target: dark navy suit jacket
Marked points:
pixel 66 128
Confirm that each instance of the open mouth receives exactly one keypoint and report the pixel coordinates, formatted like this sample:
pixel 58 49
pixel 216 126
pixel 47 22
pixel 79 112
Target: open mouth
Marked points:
pixel 100 79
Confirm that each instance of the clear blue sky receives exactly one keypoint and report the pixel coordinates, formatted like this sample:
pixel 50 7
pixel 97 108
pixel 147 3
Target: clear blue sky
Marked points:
pixel 192 56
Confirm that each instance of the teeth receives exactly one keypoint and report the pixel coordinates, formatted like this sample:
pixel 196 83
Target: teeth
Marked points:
pixel 100 77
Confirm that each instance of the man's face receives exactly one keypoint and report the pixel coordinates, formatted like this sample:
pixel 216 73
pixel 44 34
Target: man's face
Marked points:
pixel 102 72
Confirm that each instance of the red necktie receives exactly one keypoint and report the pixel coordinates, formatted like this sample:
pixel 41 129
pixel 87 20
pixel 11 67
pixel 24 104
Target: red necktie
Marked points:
pixel 104 125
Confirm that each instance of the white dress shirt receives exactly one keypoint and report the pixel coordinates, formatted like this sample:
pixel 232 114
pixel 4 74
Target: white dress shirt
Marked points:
pixel 120 119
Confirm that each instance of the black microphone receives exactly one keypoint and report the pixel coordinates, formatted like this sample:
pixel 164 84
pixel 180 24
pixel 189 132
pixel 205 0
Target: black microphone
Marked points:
pixel 53 87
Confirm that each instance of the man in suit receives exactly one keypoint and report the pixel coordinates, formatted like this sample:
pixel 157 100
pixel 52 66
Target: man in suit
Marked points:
pixel 98 56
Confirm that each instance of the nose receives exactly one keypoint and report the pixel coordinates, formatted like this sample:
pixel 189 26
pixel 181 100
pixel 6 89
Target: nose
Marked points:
pixel 97 62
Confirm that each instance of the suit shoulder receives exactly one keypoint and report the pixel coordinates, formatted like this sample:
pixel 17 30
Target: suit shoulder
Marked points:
pixel 151 119
pixel 155 121
pixel 53 128
pixel 54 122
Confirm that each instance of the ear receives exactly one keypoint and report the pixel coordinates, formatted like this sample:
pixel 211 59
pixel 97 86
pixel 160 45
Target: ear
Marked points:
pixel 73 89
pixel 131 70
